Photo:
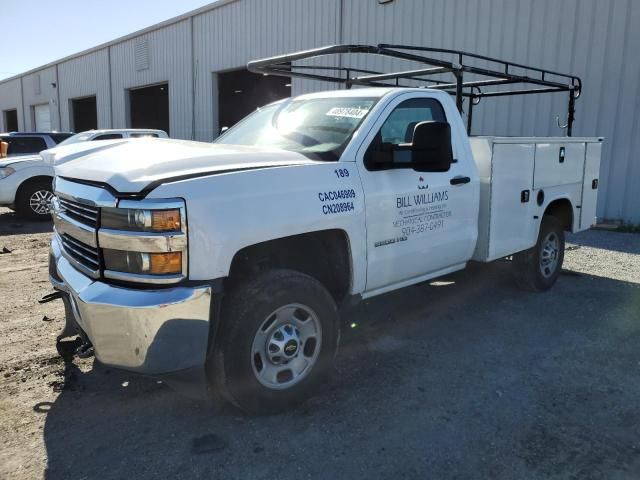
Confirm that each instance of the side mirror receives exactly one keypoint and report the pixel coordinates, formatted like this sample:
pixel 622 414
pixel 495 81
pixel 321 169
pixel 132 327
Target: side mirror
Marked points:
pixel 4 148
pixel 431 147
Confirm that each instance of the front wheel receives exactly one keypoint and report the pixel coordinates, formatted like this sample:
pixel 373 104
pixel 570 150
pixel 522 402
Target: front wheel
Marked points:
pixel 33 201
pixel 538 268
pixel 278 339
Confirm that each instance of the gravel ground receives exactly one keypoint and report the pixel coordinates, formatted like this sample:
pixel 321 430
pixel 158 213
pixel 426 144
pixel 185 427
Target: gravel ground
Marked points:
pixel 466 377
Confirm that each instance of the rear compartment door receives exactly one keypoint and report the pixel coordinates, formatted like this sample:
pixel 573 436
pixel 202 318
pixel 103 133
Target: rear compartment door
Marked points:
pixel 511 218
pixel 590 185
pixel 558 164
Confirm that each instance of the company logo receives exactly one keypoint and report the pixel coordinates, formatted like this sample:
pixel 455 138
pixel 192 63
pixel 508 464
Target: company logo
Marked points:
pixel 422 185
pixel 290 348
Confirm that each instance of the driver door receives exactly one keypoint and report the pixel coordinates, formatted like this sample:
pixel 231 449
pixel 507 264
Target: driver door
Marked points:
pixel 417 223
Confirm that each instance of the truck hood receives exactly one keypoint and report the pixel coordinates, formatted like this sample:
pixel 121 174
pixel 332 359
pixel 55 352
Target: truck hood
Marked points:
pixel 130 166
pixel 65 153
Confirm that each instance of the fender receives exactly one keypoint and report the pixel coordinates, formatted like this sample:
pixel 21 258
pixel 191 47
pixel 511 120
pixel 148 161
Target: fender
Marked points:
pixel 24 171
pixel 256 206
pixel 553 194
pixel 29 171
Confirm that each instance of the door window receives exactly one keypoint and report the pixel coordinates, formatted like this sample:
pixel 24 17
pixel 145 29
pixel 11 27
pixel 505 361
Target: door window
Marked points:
pixel 399 125
pixel 108 136
pixel 398 128
pixel 24 145
pixel 143 135
pixel 59 137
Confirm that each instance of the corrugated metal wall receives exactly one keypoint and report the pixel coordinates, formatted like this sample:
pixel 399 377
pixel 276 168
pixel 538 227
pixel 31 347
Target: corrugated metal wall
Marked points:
pixel 229 36
pixel 83 77
pixel 40 88
pixel 169 60
pixel 11 99
pixel 594 39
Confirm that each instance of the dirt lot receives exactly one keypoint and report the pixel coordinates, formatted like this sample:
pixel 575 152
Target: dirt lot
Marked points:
pixel 464 378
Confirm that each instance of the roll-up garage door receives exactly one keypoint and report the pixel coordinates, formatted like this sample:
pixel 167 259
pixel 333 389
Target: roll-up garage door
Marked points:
pixel 42 116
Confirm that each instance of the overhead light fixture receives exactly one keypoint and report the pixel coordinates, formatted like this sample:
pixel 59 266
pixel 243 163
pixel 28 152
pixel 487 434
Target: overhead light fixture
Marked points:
pixel 287 85
pixel 237 91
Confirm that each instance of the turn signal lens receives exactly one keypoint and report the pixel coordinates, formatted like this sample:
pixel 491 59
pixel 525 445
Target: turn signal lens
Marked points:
pixel 165 263
pixel 165 220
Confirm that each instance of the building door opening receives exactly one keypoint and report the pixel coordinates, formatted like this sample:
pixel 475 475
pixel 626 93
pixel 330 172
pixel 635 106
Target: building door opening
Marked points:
pixel 84 114
pixel 41 117
pixel 240 92
pixel 149 107
pixel 11 120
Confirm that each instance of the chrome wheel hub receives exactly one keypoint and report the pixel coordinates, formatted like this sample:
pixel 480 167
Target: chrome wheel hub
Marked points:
pixel 286 346
pixel 549 255
pixel 40 201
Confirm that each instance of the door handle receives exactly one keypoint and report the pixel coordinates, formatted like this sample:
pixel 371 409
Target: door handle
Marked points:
pixel 460 180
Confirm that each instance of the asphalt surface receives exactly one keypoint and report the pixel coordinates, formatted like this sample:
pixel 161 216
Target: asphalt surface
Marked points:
pixel 463 378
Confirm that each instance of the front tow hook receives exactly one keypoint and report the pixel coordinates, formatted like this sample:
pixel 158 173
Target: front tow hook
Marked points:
pixel 50 297
pixel 85 350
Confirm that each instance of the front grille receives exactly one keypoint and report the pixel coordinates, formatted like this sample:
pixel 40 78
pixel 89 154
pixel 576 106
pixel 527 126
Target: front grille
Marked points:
pixel 82 253
pixel 81 212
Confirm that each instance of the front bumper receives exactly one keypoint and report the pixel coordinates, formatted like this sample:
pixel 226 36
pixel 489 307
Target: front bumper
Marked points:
pixel 148 331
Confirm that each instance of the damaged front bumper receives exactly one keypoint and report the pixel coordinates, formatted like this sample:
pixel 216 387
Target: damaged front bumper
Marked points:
pixel 157 332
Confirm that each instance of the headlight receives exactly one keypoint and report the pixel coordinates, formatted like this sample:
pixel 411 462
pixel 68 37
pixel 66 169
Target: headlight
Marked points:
pixel 138 220
pixel 144 241
pixel 139 263
pixel 6 171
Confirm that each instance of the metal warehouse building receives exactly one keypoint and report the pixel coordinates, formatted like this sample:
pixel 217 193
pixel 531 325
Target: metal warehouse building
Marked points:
pixel 187 75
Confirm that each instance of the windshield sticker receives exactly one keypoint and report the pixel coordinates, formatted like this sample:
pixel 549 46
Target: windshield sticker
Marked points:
pixel 346 112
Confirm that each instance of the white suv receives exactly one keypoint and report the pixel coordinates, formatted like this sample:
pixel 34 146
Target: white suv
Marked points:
pixel 25 181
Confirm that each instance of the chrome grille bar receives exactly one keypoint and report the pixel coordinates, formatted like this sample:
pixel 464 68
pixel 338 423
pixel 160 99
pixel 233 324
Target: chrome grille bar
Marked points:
pixel 82 213
pixel 76 212
pixel 88 253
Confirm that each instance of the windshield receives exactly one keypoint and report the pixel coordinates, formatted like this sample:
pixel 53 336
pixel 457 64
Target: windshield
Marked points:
pixel 78 137
pixel 319 128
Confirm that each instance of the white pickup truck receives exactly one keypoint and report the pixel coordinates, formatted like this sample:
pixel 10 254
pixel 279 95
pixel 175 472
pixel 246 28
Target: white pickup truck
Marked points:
pixel 226 264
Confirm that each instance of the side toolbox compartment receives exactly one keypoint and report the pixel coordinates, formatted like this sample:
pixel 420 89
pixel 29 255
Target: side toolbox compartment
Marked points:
pixel 506 198
pixel 590 185
pixel 558 164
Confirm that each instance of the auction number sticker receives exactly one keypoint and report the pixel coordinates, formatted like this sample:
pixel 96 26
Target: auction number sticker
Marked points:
pixel 346 112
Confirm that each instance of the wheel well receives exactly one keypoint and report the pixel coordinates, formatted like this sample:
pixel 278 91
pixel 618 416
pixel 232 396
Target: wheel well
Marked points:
pixel 323 255
pixel 31 181
pixel 562 210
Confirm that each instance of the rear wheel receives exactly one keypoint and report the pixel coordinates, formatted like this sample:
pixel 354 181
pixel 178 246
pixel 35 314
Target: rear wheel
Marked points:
pixel 34 200
pixel 538 268
pixel 277 342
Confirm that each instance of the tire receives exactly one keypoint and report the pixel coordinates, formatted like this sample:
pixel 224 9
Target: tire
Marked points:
pixel 33 200
pixel 273 325
pixel 538 268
